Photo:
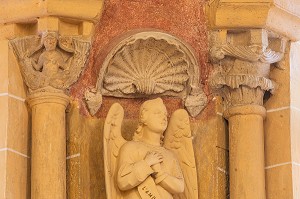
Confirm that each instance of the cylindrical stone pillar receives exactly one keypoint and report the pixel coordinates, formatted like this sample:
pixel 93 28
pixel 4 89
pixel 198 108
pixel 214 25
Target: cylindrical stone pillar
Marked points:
pixel 246 147
pixel 48 157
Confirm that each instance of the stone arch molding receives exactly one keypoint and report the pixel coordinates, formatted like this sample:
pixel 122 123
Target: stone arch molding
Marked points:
pixel 149 64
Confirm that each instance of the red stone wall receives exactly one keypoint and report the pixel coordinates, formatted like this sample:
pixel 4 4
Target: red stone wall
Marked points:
pixel 184 19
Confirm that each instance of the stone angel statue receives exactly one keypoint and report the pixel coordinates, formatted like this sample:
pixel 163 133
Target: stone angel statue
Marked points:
pixel 50 62
pixel 144 167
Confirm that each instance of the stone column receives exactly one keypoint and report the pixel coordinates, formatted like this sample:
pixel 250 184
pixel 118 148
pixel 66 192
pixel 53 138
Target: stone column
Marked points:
pixel 246 149
pixel 48 170
pixel 242 65
pixel 49 71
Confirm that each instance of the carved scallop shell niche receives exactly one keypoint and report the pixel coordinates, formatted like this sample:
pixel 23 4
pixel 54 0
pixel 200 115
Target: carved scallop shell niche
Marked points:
pixel 146 64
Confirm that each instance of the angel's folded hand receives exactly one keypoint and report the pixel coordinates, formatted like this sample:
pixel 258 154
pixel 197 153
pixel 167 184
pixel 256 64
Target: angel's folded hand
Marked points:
pixel 153 158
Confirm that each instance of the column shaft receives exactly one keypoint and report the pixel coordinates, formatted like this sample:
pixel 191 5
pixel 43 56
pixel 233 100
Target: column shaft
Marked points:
pixel 48 164
pixel 246 159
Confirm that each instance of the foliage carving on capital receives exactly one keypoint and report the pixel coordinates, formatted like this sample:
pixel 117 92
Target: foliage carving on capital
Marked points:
pixel 50 63
pixel 241 62
pixel 252 53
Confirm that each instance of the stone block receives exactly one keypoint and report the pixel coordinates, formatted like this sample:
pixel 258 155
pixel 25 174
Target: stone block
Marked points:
pixel 296 181
pixel 86 28
pixel 73 178
pixel 29 11
pixel 16 85
pixel 277 137
pixel 68 28
pixel 2 173
pixel 48 24
pixel 281 97
pixel 211 157
pixel 74 129
pixel 222 174
pixel 295 74
pixel 11 80
pixel 3 121
pixel 279 183
pixel 18 176
pixel 4 66
pixel 295 135
pixel 18 136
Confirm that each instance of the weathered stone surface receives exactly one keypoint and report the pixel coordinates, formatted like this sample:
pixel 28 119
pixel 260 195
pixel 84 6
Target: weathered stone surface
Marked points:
pixel 149 64
pixel 50 63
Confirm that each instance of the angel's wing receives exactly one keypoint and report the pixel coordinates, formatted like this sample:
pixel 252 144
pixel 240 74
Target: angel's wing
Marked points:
pixel 112 142
pixel 178 139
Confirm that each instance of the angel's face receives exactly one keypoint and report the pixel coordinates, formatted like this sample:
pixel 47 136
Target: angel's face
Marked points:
pixel 50 43
pixel 156 118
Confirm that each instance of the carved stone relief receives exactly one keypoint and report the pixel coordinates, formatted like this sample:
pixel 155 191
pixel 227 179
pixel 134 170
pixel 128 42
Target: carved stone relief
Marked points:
pixel 50 62
pixel 145 168
pixel 242 66
pixel 150 63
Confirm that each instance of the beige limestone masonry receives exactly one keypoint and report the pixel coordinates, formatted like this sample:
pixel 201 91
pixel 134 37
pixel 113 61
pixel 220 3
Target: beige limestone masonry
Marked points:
pixel 3 173
pixel 3 121
pixel 296 180
pixel 279 182
pixel 282 178
pixel 14 131
pixel 17 176
pixel 20 19
pixel 282 130
pixel 279 16
pixel 27 11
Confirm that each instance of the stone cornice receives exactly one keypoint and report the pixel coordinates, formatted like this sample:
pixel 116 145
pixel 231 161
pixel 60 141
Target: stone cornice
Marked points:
pixel 30 10
pixel 278 16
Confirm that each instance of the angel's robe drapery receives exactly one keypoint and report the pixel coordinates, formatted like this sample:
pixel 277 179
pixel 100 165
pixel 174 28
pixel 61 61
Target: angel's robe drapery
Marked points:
pixel 133 170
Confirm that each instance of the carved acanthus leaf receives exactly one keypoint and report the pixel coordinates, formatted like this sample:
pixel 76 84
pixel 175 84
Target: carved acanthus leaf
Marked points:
pixel 235 81
pixel 93 99
pixel 251 53
pixel 195 102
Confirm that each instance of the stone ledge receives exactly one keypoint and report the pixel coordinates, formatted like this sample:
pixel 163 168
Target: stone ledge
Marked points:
pixel 15 11
pixel 268 14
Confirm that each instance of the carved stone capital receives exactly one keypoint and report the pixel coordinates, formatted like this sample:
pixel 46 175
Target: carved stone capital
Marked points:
pixel 242 65
pixel 50 63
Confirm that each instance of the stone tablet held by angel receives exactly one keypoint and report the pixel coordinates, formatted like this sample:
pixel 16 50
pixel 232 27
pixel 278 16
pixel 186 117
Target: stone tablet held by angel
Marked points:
pixel 147 167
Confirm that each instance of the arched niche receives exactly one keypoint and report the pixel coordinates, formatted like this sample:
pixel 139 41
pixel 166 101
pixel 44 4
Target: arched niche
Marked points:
pixel 149 63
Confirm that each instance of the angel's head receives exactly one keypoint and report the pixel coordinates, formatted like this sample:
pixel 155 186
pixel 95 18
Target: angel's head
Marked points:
pixel 49 40
pixel 153 117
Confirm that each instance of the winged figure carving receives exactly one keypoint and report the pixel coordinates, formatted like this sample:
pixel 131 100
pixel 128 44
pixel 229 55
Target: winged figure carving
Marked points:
pixel 50 62
pixel 144 167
